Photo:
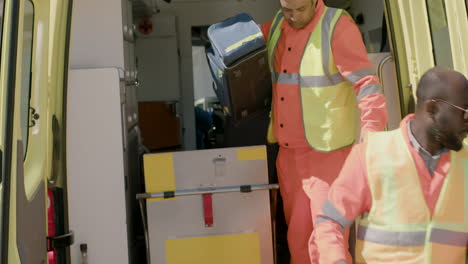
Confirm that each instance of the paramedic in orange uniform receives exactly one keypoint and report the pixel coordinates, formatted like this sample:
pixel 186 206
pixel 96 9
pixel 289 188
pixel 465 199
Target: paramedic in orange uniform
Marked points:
pixel 396 183
pixel 313 117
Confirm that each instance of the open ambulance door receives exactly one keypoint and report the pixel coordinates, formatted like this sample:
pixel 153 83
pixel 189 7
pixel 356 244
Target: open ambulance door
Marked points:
pixel 34 63
pixel 457 23
pixel 423 34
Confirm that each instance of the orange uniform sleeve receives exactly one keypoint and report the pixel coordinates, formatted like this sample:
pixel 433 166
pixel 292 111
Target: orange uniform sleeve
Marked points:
pixel 350 55
pixel 348 197
pixel 266 30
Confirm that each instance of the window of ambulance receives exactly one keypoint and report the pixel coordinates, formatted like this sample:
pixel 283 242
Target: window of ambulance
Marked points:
pixel 439 33
pixel 2 2
pixel 28 114
pixel 26 54
pixel 26 67
pixel 1 20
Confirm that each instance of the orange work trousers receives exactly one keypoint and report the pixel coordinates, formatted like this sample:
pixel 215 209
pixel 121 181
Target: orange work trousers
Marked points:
pixel 296 166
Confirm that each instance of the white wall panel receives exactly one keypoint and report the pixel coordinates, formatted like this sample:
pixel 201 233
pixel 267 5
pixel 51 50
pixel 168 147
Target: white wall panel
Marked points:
pixel 96 34
pixel 158 69
pixel 95 165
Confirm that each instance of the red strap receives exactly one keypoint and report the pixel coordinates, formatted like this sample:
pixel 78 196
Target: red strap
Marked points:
pixel 208 209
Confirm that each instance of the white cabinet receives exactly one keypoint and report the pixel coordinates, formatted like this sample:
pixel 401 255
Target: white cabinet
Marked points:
pixel 158 61
pixel 95 164
pixel 159 69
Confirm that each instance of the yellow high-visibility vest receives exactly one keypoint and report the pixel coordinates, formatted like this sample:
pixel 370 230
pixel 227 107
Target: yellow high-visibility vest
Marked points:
pixel 328 100
pixel 399 227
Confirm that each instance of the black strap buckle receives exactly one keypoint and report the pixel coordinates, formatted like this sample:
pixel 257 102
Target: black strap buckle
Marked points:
pixel 61 241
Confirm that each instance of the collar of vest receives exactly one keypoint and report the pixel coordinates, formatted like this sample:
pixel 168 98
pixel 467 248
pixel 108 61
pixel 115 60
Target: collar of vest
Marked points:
pixel 322 33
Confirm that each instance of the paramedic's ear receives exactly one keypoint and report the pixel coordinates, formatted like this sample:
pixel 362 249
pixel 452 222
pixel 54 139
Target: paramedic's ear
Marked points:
pixel 431 108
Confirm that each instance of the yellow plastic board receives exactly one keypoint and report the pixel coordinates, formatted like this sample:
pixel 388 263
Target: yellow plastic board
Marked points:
pixel 226 249
pixel 159 173
pixel 257 153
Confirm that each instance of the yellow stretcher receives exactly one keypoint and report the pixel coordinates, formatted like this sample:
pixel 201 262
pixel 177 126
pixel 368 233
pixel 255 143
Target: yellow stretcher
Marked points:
pixel 208 206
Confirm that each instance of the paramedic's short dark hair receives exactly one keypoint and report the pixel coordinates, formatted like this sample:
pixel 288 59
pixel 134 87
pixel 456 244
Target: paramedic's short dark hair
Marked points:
pixel 433 84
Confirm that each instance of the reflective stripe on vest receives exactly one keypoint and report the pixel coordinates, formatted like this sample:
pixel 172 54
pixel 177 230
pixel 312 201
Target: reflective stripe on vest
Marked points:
pixel 330 211
pixel 399 228
pixel 328 101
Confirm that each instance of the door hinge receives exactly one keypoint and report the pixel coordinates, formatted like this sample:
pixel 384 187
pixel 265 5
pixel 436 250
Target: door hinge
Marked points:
pixel 62 241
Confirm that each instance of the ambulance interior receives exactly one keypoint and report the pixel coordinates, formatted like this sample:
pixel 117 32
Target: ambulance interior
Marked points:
pixel 152 82
pixel 197 82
